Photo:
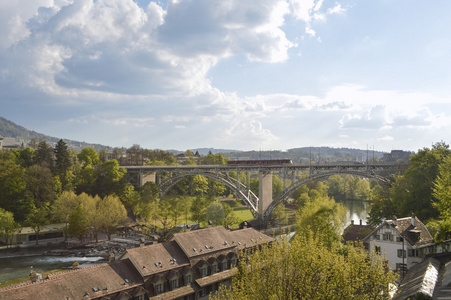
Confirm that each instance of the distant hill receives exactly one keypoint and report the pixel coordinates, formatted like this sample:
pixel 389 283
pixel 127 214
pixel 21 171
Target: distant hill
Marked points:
pixel 23 135
pixel 304 154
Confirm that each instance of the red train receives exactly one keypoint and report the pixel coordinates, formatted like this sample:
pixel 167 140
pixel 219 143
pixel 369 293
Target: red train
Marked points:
pixel 260 162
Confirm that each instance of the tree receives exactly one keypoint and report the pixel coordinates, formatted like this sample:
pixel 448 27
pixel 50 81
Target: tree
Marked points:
pixel 88 156
pixel 7 225
pixel 198 208
pixel 147 207
pixel 322 218
pixel 229 216
pixel 215 213
pixel 112 214
pixel 441 227
pixel 63 207
pixel 110 178
pixel 37 219
pixel 78 222
pixel 413 191
pixel 175 211
pixel 63 162
pixel 44 155
pixel 13 188
pixel 164 213
pixel 305 268
pixel 40 184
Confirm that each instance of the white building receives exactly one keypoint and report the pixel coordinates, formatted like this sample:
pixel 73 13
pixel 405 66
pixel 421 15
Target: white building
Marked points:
pixel 404 242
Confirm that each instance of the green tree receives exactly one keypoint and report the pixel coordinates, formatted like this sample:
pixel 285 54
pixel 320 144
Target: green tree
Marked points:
pixel 322 218
pixel 215 213
pixel 7 225
pixel 229 216
pixel 37 219
pixel 78 222
pixel 147 207
pixel 40 184
pixel 44 155
pixel 198 208
pixel 63 207
pixel 413 191
pixel 63 162
pixel 110 178
pixel 13 189
pixel 112 214
pixel 305 268
pixel 441 227
pixel 89 156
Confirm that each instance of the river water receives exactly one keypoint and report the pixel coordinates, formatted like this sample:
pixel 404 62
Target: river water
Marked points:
pixel 18 267
pixel 356 210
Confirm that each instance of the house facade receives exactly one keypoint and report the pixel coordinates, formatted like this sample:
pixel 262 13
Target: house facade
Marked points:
pixel 404 242
pixel 190 266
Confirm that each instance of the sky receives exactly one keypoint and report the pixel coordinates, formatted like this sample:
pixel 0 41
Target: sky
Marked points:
pixel 234 74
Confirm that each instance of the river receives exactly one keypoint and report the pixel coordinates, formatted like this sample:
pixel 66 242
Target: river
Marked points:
pixel 18 267
pixel 356 210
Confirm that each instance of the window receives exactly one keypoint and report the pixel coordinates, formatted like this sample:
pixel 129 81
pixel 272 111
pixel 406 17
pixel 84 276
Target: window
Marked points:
pixel 377 249
pixel 399 239
pixel 158 288
pixel 233 263
pixel 387 237
pixel 377 237
pixel 188 279
pixel 213 269
pixel 140 297
pixel 174 283
pixel 401 268
pixel 224 265
pixel 401 252
pixel 411 252
pixel 203 272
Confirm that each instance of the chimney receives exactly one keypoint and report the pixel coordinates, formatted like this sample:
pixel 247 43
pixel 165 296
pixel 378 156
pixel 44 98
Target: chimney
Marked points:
pixel 141 242
pixel 360 222
pixel 394 221
pixel 352 222
pixel 414 221
pixel 210 223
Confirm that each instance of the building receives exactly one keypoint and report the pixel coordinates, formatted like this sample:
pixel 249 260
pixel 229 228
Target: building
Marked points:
pixel 190 266
pixel 404 242
pixel 354 234
pixel 8 143
pixel 47 234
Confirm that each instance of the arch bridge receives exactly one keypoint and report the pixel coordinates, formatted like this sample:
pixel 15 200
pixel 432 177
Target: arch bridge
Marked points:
pixel 262 206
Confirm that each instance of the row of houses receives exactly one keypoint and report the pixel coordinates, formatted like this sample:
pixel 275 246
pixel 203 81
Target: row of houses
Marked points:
pixel 189 266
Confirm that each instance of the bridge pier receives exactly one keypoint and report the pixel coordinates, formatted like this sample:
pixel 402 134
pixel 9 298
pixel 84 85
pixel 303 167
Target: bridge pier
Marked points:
pixel 146 177
pixel 264 191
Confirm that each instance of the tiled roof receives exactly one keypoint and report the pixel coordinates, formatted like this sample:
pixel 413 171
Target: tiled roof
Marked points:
pixel 216 277
pixel 409 232
pixel 248 237
pixel 354 233
pixel 177 293
pixel 157 258
pixel 201 242
pixel 86 283
pixel 421 278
